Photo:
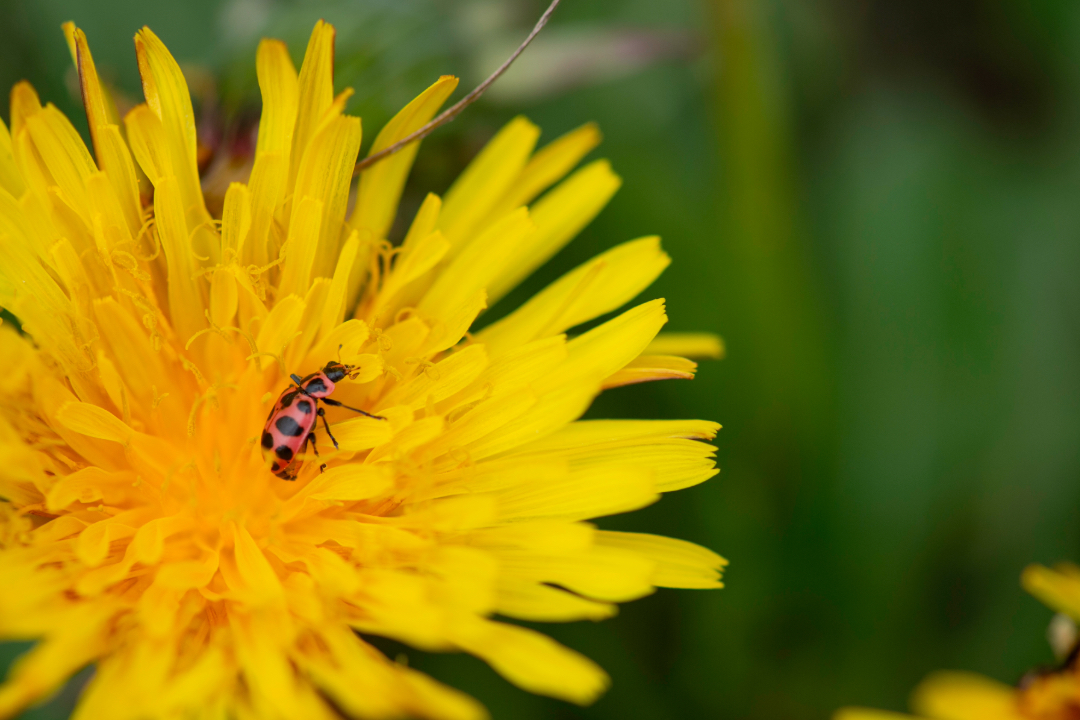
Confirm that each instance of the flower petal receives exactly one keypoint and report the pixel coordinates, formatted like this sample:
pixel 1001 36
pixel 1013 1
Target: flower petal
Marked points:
pixel 487 178
pixel 679 564
pixel 599 286
pixel 533 661
pixel 167 96
pixel 559 216
pixel 381 184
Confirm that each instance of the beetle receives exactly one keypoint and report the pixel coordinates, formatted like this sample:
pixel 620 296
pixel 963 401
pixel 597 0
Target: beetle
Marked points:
pixel 292 420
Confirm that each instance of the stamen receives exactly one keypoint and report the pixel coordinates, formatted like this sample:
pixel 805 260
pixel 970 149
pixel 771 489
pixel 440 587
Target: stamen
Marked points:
pixel 148 226
pixel 129 262
pixel 193 369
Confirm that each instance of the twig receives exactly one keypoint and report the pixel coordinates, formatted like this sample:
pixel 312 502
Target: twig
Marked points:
pixel 453 111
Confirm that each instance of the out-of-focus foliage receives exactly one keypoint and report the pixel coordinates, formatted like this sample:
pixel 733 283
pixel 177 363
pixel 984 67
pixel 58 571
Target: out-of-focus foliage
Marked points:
pixel 876 203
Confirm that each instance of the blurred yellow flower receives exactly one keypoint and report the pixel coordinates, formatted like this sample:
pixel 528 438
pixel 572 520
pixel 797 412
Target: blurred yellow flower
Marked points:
pixel 141 529
pixel 1052 694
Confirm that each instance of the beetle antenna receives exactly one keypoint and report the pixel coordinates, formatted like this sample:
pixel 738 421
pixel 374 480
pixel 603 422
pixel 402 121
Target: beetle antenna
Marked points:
pixel 455 109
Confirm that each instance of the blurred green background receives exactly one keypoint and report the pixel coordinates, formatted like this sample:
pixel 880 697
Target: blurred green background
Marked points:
pixel 874 202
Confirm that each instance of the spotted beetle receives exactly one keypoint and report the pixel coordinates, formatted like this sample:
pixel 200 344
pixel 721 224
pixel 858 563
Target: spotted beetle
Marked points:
pixel 292 420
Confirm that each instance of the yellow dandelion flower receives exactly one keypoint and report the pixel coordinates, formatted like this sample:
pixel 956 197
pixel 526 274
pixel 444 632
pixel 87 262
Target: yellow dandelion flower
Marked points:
pixel 141 529
pixel 1043 694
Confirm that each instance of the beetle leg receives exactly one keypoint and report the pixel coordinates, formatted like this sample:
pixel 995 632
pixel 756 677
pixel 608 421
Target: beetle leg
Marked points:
pixel 335 403
pixel 311 442
pixel 322 413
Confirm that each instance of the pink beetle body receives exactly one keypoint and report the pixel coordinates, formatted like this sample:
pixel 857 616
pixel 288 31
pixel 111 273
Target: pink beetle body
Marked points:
pixel 291 423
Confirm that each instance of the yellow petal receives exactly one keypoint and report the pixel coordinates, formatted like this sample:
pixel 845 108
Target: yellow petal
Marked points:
pixel 362 433
pixel 609 347
pixel 486 180
pixel 414 435
pixel 602 573
pixel 549 165
pixel 280 96
pixel 690 345
pixel 62 151
pixel 89 485
pixel 149 541
pixel 94 421
pixel 24 104
pixel 540 536
pixel 42 304
pixel 10 179
pixel 133 351
pixel 93 545
pixel 582 495
pixel 77 640
pixel 267 186
pixel 428 698
pixel 424 223
pixel 334 309
pixel 324 174
pixel 50 396
pixel 525 364
pixel 410 266
pixel 188 573
pixel 532 661
pixel 381 184
pixel 478 264
pixel 224 297
pixel 113 156
pixel 679 564
pixel 148 141
pixel 167 96
pixel 364 684
pixel 542 603
pixel 440 381
pixel 111 230
pixel 965 696
pixel 464 577
pixel 348 482
pixel 254 579
pixel 186 308
pixel 587 434
pixel 1058 588
pixel 857 713
pixel 552 411
pixel 273 685
pixel 347 339
pixel 449 326
pixel 315 93
pixel 198 684
pixel 480 421
pixel 676 463
pixel 647 368
pixel 235 219
pixel 599 286
pixel 301 247
pixel 559 216
pixel 279 328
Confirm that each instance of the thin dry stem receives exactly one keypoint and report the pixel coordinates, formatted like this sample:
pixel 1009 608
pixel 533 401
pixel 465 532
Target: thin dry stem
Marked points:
pixel 455 109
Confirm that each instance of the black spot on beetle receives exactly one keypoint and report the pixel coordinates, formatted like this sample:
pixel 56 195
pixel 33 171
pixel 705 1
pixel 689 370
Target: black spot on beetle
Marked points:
pixel 287 398
pixel 315 386
pixel 284 452
pixel 304 406
pixel 288 426
pixel 267 440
